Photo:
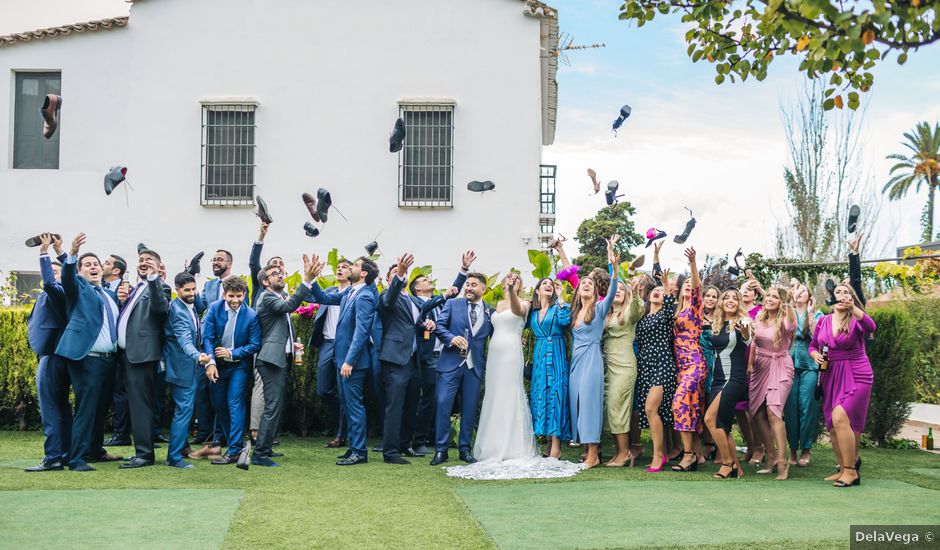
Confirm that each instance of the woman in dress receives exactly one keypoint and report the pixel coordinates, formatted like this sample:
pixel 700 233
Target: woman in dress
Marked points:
pixel 505 445
pixel 731 334
pixel 656 369
pixel 751 291
pixel 710 296
pixel 771 370
pixel 690 362
pixel 802 411
pixel 548 320
pixel 846 384
pixel 620 368
pixel 586 382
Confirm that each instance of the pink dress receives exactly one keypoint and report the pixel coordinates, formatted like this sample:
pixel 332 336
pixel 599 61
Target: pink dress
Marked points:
pixel 772 376
pixel 848 381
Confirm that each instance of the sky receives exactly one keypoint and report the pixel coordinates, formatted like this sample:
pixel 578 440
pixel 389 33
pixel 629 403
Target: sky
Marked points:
pixel 719 150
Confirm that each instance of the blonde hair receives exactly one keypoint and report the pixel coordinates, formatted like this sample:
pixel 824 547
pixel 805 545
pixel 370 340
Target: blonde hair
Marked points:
pixel 620 312
pixel 576 304
pixel 779 316
pixel 847 322
pixel 806 320
pixel 719 319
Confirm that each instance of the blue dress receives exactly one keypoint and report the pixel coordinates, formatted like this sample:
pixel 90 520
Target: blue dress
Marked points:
pixel 549 387
pixel 586 382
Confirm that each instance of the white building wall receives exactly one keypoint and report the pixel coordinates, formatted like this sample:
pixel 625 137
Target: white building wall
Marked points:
pixel 328 77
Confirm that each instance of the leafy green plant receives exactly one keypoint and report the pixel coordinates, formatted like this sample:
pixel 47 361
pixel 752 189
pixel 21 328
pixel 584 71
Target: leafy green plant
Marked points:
pixel 892 359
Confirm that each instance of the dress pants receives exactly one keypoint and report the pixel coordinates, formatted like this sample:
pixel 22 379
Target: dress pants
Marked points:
pixel 139 378
pixel 228 399
pixel 424 424
pixel 159 398
pixel 209 429
pixel 328 387
pixel 275 386
pixel 449 384
pixel 120 414
pixel 353 391
pixel 93 381
pixel 801 411
pixel 376 384
pixel 52 387
pixel 401 406
pixel 184 403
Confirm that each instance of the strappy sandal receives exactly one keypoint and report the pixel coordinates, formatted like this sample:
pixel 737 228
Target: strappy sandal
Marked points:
pixel 732 474
pixel 691 467
pixel 841 484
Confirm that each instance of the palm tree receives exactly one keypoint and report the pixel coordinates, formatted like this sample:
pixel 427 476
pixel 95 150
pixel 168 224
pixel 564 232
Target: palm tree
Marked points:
pixel 921 167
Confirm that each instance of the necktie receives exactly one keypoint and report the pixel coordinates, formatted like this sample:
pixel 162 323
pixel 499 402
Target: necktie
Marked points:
pixel 473 314
pixel 198 329
pixel 228 336
pixel 112 326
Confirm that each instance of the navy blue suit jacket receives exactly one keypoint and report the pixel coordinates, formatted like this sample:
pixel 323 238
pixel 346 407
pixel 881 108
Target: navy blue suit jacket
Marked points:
pixel 455 321
pixel 316 334
pixel 48 317
pixel 355 324
pixel 210 292
pixel 247 332
pixel 429 311
pixel 84 314
pixel 181 350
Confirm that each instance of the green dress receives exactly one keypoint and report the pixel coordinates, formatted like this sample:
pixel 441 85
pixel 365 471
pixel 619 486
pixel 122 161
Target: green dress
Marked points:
pixel 620 368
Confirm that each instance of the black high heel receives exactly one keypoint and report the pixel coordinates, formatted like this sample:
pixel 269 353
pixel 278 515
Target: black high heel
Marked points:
pixel 691 467
pixel 711 455
pixel 841 484
pixel 732 474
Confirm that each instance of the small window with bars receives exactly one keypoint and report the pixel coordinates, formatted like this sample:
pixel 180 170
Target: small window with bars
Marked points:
pixel 426 163
pixel 30 148
pixel 228 154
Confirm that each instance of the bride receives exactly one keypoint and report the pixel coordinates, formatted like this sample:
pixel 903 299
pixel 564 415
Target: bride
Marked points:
pixel 505 446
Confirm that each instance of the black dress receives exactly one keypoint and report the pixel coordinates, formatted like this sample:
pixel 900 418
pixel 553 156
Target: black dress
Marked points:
pixel 730 375
pixel 656 362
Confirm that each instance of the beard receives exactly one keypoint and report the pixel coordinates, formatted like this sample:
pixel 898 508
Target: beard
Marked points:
pixel 218 270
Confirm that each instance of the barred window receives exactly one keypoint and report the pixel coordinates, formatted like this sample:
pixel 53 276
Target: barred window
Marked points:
pixel 425 170
pixel 228 154
pixel 30 148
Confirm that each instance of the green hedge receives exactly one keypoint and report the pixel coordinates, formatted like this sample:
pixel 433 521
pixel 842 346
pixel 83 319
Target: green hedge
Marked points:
pixel 891 353
pixel 18 404
pixel 925 315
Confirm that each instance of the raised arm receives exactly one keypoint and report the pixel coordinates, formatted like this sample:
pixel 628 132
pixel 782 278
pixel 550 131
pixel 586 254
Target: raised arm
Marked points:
pixel 516 305
pixel 365 314
pixel 855 268
pixel 694 279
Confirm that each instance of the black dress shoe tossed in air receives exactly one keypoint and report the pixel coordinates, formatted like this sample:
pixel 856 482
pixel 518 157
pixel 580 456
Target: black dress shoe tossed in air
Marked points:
pixel 45 466
pixel 33 242
pixel 440 457
pixel 467 457
pixel 136 462
pixel 689 225
pixel 311 230
pixel 413 453
pixel 352 460
pixel 324 202
pixel 262 211
pixel 117 442
pixel 397 140
pixel 115 175
pixel 395 460
pixel 194 267
pixel 481 186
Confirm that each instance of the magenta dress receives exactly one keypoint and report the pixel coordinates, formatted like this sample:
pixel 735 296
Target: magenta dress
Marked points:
pixel 848 381
pixel 772 376
pixel 687 403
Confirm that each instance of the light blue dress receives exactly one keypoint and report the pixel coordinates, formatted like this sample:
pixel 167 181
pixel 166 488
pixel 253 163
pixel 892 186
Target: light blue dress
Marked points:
pixel 549 387
pixel 586 381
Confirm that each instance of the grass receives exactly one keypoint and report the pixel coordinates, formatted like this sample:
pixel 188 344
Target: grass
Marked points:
pixel 310 503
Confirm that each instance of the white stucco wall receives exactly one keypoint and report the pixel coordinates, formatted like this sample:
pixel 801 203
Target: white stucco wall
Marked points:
pixel 327 76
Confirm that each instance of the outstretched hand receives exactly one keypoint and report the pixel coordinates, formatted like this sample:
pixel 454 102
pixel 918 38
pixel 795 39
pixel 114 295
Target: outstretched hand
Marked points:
pixel 404 263
pixel 690 255
pixel 467 259
pixel 77 243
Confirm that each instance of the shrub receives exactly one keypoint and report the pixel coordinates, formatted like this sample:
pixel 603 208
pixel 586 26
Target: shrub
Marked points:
pixel 926 317
pixel 891 353
pixel 18 402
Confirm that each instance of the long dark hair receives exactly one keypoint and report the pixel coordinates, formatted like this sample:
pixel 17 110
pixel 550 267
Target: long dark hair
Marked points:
pixel 535 304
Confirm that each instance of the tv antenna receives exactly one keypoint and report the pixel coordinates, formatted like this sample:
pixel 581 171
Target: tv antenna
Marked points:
pixel 565 45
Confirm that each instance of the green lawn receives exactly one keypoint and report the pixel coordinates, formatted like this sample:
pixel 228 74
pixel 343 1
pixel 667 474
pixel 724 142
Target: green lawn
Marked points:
pixel 310 503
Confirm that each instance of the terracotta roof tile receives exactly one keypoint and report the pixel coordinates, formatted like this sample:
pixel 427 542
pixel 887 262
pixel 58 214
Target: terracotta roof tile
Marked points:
pixel 64 30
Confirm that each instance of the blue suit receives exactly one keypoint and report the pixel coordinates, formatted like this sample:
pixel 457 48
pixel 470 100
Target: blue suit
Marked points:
pixel 228 393
pixel 328 369
pixel 181 357
pixel 45 324
pixel 92 376
pixel 210 430
pixel 357 311
pixel 454 374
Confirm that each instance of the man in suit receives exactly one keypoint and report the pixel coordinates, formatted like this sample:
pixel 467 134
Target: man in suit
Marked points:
pixel 140 345
pixel 357 310
pixel 231 335
pixel 209 430
pixel 184 359
pixel 44 327
pixel 464 327
pixel 323 337
pixel 277 349
pixel 254 268
pixel 114 269
pixel 429 350
pixel 89 344
pixel 401 321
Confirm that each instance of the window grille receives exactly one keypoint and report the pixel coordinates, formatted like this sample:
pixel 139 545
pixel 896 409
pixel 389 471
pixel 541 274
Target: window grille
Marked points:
pixel 425 164
pixel 546 202
pixel 30 148
pixel 228 154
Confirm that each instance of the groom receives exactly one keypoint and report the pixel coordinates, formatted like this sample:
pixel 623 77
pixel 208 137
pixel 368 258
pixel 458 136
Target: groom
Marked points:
pixel 464 327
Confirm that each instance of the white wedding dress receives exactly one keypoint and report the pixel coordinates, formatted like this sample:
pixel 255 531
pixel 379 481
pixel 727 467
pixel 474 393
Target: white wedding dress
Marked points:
pixel 505 446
